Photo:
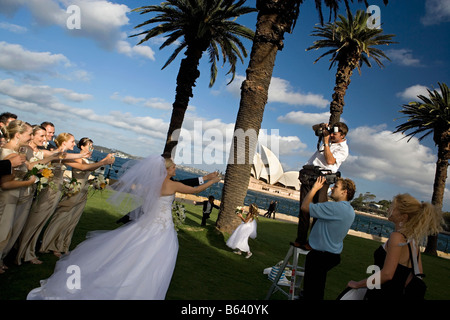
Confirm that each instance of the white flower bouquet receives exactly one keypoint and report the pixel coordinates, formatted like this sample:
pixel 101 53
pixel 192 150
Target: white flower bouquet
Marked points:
pixel 178 214
pixel 99 182
pixel 71 187
pixel 43 174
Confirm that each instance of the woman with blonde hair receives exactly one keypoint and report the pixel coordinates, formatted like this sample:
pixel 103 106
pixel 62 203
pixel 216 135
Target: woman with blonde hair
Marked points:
pixel 13 187
pixel 414 221
pixel 247 229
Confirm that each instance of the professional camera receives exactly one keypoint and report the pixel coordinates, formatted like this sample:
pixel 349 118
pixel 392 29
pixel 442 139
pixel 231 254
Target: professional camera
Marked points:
pixel 310 173
pixel 322 129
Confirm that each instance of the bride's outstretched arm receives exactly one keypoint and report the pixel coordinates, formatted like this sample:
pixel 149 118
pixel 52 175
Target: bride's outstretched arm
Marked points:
pixel 182 188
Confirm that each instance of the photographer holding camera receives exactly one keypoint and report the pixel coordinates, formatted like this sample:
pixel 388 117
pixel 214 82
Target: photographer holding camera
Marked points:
pixel 324 162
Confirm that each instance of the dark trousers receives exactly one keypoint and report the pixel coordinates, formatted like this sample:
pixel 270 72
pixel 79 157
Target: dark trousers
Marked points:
pixel 303 217
pixel 205 217
pixel 317 265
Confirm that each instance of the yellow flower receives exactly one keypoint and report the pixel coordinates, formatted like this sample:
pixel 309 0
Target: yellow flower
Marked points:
pixel 47 173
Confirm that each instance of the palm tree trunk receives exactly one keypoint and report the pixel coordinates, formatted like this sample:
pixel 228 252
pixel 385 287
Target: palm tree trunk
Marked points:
pixel 437 198
pixel 343 75
pixel 271 25
pixel 187 75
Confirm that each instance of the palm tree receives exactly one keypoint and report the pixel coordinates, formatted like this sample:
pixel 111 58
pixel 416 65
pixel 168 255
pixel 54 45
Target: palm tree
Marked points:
pixel 275 18
pixel 197 26
pixel 352 43
pixel 432 116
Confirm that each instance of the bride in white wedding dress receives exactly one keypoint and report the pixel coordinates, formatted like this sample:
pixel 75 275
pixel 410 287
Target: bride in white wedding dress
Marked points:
pixel 135 261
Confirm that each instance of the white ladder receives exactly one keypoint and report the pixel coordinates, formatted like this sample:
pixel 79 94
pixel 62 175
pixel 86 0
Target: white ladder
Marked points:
pixel 297 274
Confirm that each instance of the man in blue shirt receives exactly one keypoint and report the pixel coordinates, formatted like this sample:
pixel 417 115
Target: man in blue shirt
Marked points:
pixel 334 219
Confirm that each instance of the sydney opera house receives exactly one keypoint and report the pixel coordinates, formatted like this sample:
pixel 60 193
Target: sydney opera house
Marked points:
pixel 266 167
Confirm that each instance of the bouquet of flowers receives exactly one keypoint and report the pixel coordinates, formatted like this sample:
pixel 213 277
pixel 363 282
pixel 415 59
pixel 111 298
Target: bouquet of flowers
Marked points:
pixel 239 210
pixel 178 214
pixel 71 187
pixel 99 182
pixel 43 173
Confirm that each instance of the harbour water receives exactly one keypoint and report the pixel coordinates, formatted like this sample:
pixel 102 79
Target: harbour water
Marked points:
pixel 364 223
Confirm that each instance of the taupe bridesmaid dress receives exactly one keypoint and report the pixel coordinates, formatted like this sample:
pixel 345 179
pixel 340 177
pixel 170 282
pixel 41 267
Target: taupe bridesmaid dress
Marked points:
pixel 42 209
pixel 8 205
pixel 58 234
pixel 22 211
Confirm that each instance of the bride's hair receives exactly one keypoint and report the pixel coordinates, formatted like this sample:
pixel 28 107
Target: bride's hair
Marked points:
pixel 168 162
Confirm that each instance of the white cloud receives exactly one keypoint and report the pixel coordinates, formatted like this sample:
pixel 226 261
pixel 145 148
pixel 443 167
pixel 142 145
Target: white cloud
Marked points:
pixel 403 57
pixel 42 95
pixel 281 145
pixel 281 91
pixel 14 57
pixel 412 92
pixel 144 51
pixel 100 20
pixel 12 27
pixel 377 154
pixel 154 103
pixel 304 118
pixel 436 11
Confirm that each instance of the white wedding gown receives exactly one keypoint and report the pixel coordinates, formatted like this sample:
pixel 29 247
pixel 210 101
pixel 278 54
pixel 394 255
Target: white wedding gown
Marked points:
pixel 133 262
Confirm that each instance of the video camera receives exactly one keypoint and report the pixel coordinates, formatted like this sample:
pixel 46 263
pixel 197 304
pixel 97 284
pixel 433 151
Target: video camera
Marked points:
pixel 310 173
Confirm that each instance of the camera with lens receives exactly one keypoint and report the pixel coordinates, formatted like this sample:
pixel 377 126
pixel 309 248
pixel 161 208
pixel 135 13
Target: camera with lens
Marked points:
pixel 310 173
pixel 322 129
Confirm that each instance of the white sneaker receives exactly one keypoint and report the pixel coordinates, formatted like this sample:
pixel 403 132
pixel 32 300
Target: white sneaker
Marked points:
pixel 237 252
pixel 249 254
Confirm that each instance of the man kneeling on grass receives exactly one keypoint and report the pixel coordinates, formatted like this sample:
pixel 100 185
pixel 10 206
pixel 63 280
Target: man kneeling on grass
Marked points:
pixel 333 220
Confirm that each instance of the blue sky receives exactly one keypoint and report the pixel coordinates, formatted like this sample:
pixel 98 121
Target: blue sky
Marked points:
pixel 95 82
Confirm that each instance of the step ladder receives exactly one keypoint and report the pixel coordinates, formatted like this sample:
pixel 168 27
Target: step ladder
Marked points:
pixel 297 274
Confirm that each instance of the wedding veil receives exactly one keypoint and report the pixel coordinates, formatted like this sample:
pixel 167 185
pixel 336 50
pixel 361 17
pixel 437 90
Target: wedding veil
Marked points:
pixel 140 184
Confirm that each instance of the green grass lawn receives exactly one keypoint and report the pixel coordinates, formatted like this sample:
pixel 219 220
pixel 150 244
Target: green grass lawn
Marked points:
pixel 207 269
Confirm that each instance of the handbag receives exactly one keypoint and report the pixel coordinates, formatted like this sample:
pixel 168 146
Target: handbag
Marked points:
pixel 416 288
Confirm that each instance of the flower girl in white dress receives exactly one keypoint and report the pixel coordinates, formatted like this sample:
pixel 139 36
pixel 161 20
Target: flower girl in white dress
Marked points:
pixel 135 261
pixel 247 229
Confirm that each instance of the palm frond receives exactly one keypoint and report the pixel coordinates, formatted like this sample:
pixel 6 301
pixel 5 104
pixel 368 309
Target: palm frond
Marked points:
pixel 194 22
pixel 352 34
pixel 429 115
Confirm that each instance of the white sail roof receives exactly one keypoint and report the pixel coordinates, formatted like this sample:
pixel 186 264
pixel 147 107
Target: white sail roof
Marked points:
pixel 290 179
pixel 257 166
pixel 273 167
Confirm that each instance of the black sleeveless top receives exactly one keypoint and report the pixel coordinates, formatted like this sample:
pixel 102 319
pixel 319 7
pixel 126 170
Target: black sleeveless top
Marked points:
pixel 392 289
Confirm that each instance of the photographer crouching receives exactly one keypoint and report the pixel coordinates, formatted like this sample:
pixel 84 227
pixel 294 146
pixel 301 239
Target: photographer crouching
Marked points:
pixel 324 162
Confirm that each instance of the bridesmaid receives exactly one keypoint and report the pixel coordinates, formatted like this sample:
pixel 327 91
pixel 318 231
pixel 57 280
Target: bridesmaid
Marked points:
pixel 17 133
pixel 58 234
pixel 33 156
pixel 45 203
